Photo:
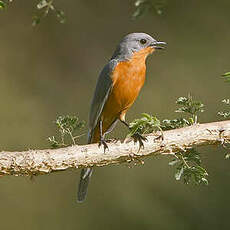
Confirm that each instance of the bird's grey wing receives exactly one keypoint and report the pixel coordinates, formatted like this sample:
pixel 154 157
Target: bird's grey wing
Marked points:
pixel 103 88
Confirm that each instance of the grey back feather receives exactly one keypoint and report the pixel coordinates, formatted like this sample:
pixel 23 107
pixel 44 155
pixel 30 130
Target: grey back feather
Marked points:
pixel 103 88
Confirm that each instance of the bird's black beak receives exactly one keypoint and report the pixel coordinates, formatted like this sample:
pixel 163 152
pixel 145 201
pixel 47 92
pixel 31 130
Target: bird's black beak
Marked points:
pixel 158 45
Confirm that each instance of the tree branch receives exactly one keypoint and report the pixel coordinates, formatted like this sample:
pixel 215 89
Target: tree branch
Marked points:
pixel 34 162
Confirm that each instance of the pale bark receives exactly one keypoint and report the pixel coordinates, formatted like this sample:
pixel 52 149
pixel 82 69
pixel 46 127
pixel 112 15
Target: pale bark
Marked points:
pixel 34 162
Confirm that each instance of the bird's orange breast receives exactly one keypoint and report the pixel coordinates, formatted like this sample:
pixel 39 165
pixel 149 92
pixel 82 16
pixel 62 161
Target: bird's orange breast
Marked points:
pixel 128 79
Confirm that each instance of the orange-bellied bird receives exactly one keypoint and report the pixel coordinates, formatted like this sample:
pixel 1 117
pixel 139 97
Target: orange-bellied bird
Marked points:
pixel 117 88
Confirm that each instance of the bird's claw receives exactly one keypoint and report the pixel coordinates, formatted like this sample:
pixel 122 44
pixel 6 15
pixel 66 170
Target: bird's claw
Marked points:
pixel 139 138
pixel 103 142
pixel 160 137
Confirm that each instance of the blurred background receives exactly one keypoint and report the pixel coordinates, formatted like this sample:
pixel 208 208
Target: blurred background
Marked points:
pixel 51 70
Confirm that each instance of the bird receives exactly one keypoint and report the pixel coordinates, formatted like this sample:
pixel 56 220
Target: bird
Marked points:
pixel 118 86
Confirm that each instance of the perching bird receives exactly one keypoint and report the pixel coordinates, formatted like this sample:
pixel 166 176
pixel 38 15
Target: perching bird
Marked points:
pixel 117 88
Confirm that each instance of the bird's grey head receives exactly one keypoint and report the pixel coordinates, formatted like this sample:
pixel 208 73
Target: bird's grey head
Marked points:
pixel 133 43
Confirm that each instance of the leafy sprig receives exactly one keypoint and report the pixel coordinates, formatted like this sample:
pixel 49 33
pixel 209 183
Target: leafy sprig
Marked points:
pixel 168 124
pixel 225 114
pixel 144 6
pixel 188 106
pixel 4 4
pixel 149 123
pixel 191 107
pixel 67 126
pixel 146 124
pixel 226 76
pixel 226 102
pixel 44 7
pixel 189 167
pixel 188 162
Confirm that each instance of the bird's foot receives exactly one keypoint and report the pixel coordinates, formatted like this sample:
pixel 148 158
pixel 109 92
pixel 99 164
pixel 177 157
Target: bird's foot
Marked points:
pixel 159 138
pixel 103 142
pixel 139 138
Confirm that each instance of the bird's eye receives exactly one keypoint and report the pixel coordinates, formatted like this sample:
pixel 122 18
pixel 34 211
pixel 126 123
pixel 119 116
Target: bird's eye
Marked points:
pixel 143 41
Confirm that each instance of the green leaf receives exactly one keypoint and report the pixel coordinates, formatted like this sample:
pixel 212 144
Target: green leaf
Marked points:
pixel 42 4
pixel 144 6
pixel 224 114
pixel 36 20
pixel 2 5
pixel 226 101
pixel 226 76
pixel 179 173
pixel 173 162
pixel 204 181
pixel 54 143
pixel 61 16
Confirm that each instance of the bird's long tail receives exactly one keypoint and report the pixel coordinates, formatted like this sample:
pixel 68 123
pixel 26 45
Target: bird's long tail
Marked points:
pixel 83 184
pixel 86 173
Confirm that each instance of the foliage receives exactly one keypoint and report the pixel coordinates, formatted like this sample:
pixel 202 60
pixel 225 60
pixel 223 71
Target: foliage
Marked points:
pixel 167 124
pixel 225 114
pixel 4 4
pixel 226 76
pixel 145 124
pixel 44 7
pixel 227 156
pixel 226 102
pixel 67 126
pixel 188 162
pixel 189 106
pixel 189 167
pixel 144 6
pixel 148 123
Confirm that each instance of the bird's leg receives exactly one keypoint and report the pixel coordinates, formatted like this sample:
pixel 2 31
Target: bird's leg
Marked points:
pixel 136 137
pixel 102 138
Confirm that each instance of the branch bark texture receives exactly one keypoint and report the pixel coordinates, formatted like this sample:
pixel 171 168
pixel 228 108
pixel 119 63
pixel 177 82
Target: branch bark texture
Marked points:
pixel 34 162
